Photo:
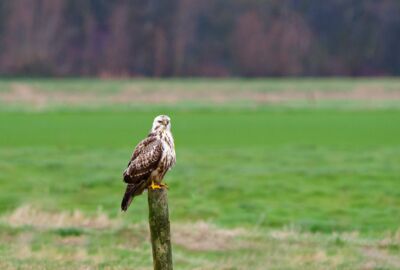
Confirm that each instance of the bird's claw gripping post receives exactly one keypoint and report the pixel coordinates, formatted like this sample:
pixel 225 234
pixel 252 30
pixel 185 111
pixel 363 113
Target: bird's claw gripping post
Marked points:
pixel 158 186
pixel 154 186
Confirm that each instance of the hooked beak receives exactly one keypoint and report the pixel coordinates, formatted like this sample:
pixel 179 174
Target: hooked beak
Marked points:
pixel 165 122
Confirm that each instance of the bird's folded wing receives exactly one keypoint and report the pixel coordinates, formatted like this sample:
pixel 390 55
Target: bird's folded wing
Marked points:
pixel 145 159
pixel 141 146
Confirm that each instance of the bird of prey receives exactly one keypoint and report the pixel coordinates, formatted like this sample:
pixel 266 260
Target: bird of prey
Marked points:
pixel 150 161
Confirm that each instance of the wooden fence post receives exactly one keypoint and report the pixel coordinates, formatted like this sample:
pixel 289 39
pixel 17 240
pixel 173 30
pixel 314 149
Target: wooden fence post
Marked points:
pixel 160 229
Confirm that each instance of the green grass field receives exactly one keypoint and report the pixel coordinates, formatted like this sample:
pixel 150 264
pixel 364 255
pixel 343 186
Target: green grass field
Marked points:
pixel 260 186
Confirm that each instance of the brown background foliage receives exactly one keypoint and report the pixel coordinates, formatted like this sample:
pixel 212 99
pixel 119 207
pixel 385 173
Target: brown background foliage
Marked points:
pixel 199 38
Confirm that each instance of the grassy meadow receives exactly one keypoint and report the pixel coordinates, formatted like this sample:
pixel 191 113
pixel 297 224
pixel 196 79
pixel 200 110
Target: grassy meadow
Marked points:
pixel 262 181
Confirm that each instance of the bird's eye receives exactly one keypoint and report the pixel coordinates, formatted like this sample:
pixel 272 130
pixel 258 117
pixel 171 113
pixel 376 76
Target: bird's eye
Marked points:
pixel 159 121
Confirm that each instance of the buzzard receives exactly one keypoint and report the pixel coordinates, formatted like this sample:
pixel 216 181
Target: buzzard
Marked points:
pixel 150 161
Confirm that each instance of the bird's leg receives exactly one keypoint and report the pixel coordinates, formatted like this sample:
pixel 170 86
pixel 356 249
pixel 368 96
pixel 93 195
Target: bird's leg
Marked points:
pixel 154 186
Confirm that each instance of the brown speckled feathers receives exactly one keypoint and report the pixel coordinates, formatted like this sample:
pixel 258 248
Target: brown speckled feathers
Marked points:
pixel 150 161
pixel 144 160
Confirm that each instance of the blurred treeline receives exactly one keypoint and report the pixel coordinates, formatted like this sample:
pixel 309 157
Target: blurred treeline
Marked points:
pixel 199 37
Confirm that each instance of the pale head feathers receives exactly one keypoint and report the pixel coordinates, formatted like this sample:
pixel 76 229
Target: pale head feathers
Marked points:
pixel 161 122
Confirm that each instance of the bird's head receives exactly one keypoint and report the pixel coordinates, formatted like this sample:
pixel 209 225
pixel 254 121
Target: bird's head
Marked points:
pixel 161 122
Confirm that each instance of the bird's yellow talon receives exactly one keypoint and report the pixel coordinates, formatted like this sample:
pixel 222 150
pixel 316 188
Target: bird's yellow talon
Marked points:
pixel 154 186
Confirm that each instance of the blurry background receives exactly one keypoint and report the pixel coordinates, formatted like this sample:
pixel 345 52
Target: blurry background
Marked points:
pixel 199 38
pixel 281 164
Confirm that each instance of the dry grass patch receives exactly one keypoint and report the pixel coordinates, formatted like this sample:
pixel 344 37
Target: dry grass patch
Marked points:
pixel 377 258
pixel 29 216
pixel 21 93
pixel 203 236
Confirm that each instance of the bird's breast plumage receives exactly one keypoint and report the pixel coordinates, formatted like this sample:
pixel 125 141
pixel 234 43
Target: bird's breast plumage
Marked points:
pixel 168 157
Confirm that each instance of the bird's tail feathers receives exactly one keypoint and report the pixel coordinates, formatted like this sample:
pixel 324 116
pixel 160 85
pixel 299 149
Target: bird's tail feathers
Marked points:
pixel 128 197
